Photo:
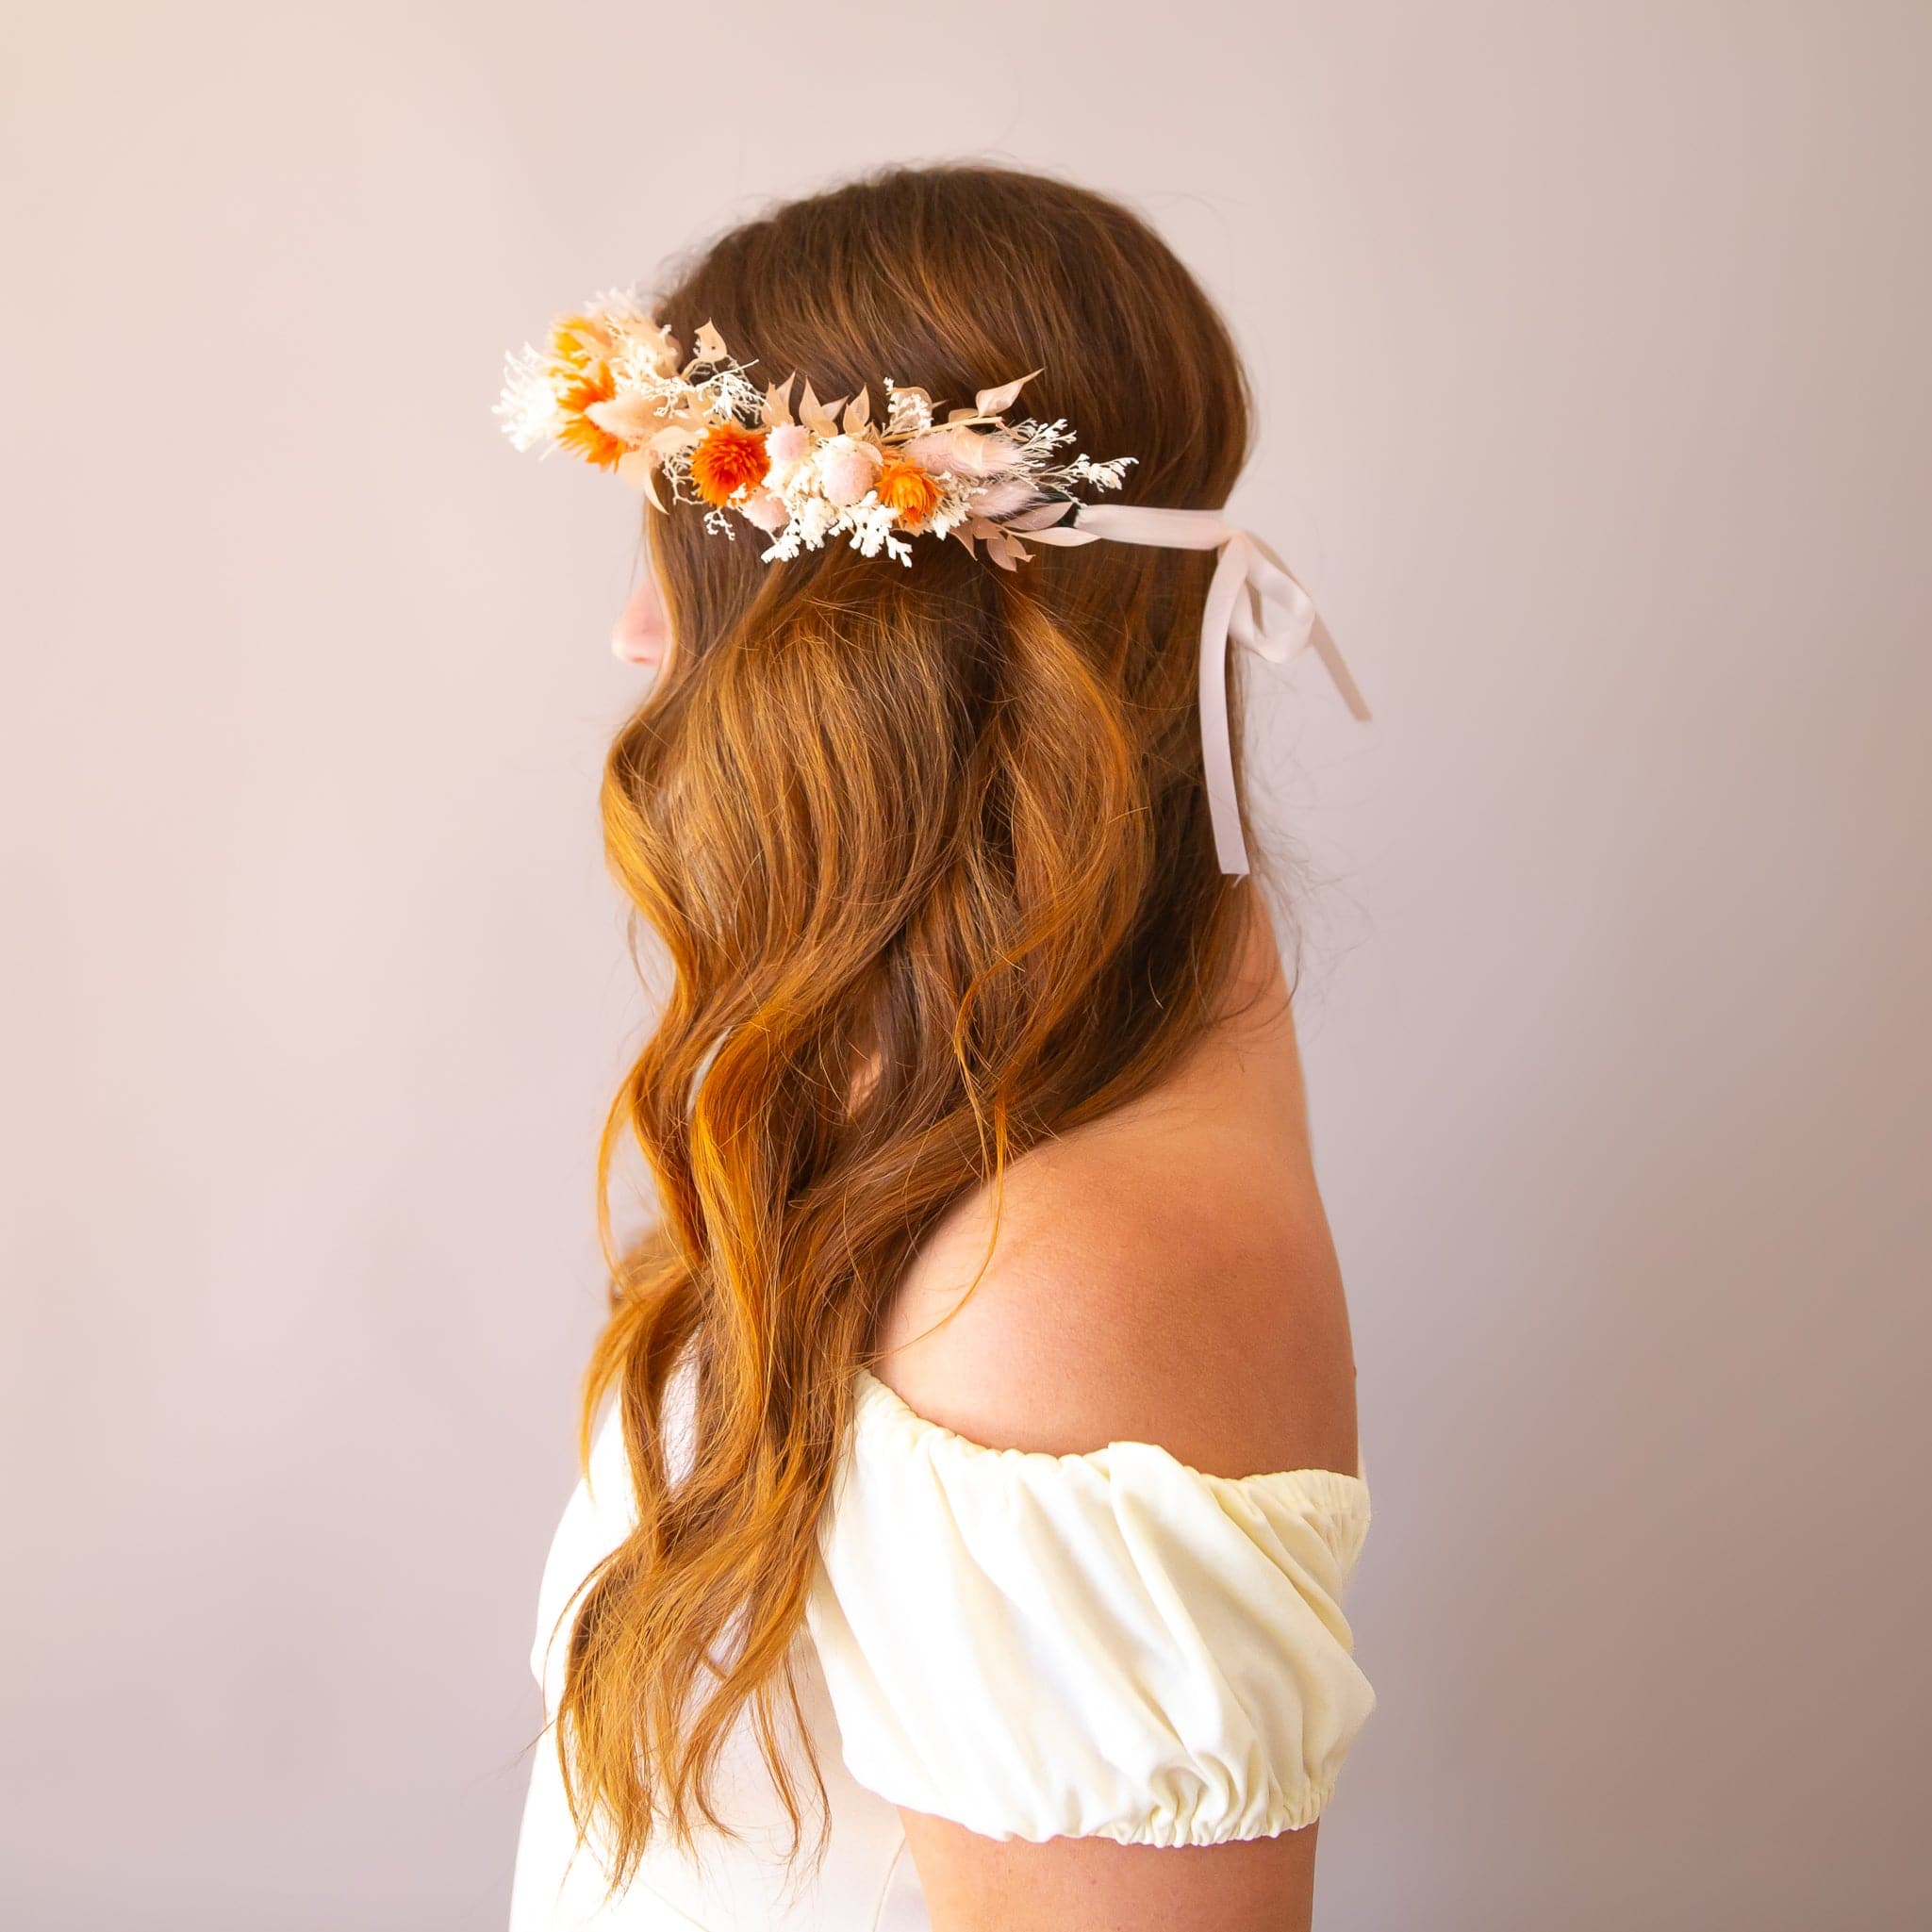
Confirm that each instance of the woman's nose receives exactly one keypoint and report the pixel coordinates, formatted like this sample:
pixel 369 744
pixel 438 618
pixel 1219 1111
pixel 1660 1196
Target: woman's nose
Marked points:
pixel 641 634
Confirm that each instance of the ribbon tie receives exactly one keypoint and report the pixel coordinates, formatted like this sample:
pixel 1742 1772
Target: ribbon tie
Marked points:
pixel 1245 564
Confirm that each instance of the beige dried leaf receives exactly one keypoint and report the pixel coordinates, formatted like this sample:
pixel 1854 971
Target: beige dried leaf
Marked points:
pixel 991 401
pixel 639 470
pixel 708 346
pixel 1043 516
pixel 777 410
pixel 816 415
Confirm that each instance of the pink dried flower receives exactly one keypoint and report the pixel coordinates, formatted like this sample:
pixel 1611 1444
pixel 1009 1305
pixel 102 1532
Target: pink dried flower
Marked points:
pixel 963 453
pixel 788 442
pixel 766 510
pixel 847 469
pixel 1002 499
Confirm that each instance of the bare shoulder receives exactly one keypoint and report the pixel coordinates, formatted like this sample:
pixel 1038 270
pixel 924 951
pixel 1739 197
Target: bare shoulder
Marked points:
pixel 1166 1274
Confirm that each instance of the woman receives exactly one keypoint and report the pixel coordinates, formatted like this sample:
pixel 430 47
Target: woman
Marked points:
pixel 965 1530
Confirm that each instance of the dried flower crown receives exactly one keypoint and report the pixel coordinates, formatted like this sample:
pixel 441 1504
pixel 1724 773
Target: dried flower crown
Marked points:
pixel 614 388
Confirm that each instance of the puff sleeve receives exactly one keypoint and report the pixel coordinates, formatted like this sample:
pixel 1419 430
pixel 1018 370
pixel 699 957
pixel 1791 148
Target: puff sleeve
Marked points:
pixel 1109 1644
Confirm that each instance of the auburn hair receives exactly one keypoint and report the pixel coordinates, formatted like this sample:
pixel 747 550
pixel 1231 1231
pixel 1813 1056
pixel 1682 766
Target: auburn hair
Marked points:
pixel 944 826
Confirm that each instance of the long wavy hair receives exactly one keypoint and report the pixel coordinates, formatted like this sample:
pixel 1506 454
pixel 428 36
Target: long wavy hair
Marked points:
pixel 928 850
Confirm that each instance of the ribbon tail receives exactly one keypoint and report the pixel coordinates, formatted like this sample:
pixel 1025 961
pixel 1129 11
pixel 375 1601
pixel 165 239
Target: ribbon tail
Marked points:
pixel 1325 647
pixel 1217 746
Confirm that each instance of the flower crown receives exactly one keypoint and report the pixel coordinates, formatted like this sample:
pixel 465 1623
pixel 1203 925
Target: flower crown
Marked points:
pixel 614 388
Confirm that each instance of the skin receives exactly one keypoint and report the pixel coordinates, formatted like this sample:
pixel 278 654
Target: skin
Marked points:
pixel 642 632
pixel 1163 1275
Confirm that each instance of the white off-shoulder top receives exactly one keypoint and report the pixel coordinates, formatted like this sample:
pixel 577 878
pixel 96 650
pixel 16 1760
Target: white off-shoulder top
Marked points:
pixel 1110 1644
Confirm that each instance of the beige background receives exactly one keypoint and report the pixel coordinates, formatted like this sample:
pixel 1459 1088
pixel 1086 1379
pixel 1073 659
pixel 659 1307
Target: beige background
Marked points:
pixel 1591 341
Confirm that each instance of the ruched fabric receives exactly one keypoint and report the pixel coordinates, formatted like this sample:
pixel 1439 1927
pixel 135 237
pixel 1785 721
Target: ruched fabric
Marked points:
pixel 1110 1644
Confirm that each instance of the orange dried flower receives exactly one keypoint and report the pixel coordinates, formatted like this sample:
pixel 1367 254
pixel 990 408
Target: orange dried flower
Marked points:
pixel 730 458
pixel 909 491
pixel 578 342
pixel 578 434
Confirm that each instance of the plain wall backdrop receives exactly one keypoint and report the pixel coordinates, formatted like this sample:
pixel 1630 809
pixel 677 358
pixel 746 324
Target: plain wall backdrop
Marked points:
pixel 1589 341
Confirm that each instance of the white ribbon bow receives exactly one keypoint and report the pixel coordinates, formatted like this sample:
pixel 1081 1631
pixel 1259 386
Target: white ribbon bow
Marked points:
pixel 1247 564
